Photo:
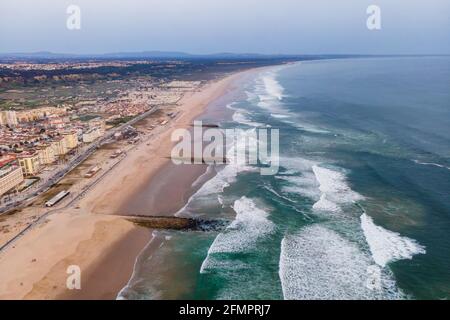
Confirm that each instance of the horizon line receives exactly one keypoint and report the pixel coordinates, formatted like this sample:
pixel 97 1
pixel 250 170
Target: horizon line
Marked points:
pixel 161 53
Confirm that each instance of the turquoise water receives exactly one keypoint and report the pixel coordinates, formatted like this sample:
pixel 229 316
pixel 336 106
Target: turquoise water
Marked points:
pixel 359 208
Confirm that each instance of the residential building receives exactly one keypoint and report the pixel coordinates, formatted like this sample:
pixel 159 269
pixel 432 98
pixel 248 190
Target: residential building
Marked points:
pixel 92 134
pixel 59 146
pixel 46 154
pixel 71 139
pixel 29 162
pixel 11 175
pixel 39 113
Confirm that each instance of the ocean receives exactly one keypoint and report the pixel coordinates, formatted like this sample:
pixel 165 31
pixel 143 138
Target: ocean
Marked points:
pixel 359 209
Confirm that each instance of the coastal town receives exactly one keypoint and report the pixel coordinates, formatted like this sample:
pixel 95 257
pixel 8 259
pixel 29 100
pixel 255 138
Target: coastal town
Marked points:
pixel 39 143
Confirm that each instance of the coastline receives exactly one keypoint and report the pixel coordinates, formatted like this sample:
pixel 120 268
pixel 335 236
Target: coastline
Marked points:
pixel 91 235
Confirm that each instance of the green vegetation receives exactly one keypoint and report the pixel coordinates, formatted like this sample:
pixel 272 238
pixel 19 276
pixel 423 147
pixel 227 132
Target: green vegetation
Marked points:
pixel 119 121
pixel 87 117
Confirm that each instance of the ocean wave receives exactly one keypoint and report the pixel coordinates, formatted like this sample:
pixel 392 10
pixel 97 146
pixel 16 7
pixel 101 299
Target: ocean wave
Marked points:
pixel 308 127
pixel 127 292
pixel 231 106
pixel 296 165
pixel 279 116
pixel 326 205
pixel 268 94
pixel 431 164
pixel 299 177
pixel 242 117
pixel 335 190
pixel 388 246
pixel 305 185
pixel 212 188
pixel 224 177
pixel 318 264
pixel 273 88
pixel 202 178
pixel 252 97
pixel 250 226
pixel 329 188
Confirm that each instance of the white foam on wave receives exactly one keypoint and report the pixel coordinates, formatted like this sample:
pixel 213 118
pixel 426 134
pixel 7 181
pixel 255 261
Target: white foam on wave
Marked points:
pixel 225 176
pixel 299 177
pixel 202 178
pixel 122 295
pixel 388 246
pixel 269 94
pixel 251 96
pixel 431 164
pixel 326 205
pixel 231 106
pixel 327 187
pixel 215 186
pixel 335 190
pixel 318 264
pixel 297 165
pixel 279 116
pixel 250 226
pixel 307 127
pixel 242 117
pixel 305 185
pixel 273 88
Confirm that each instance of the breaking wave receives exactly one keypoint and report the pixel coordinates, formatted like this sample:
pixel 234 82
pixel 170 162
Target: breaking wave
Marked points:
pixel 388 246
pixel 250 226
pixel 318 264
pixel 334 189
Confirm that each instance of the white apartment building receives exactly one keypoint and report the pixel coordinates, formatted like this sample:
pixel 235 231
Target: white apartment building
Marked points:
pixel 11 177
pixel 92 134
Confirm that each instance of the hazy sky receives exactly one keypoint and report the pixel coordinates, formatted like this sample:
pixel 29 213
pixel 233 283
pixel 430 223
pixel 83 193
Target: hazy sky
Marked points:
pixel 208 26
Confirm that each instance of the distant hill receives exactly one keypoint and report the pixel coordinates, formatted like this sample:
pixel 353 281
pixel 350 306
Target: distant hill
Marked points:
pixel 147 55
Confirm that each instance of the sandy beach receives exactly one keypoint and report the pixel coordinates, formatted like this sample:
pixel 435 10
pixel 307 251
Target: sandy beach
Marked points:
pixel 90 233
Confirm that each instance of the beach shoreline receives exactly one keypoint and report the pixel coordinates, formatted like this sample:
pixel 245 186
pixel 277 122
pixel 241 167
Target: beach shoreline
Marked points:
pixel 91 234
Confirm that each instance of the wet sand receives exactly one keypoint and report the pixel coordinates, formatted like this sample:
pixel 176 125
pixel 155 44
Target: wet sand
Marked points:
pixel 165 193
